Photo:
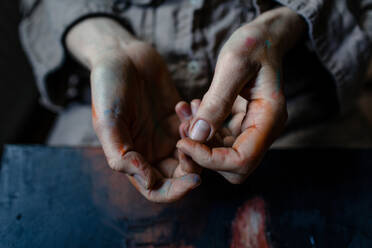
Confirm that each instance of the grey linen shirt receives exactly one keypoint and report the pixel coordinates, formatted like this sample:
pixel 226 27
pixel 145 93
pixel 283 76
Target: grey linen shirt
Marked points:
pixel 322 74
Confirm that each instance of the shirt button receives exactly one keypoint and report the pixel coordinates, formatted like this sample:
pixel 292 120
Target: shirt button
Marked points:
pixel 73 80
pixel 194 67
pixel 197 3
pixel 72 93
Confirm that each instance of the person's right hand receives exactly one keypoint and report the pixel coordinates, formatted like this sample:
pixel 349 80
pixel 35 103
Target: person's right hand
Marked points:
pixel 245 101
pixel 133 104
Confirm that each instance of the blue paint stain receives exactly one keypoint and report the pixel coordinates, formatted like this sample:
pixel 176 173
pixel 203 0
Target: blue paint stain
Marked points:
pixel 116 111
pixel 107 113
pixel 268 43
pixel 312 241
pixel 113 113
pixel 194 179
pixel 164 189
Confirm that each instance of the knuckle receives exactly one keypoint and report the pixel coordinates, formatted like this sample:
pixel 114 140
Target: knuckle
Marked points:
pixel 244 166
pixel 241 163
pixel 245 170
pixel 218 105
pixel 209 161
pixel 116 164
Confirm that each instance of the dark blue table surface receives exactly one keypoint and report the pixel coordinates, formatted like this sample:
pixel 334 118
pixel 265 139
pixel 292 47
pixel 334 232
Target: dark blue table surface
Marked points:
pixel 68 197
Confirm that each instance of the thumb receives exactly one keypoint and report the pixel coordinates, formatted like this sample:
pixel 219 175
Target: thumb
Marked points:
pixel 233 72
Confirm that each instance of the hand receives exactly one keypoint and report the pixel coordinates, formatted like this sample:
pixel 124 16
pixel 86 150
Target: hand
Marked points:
pixel 133 109
pixel 248 87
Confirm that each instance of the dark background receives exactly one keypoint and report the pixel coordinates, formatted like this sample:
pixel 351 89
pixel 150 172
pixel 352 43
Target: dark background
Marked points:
pixel 22 120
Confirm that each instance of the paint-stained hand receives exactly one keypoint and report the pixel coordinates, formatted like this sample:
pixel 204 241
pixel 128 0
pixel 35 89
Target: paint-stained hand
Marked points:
pixel 245 103
pixel 133 104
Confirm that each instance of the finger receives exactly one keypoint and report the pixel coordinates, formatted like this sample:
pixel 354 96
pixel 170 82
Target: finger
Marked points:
pixel 167 167
pixel 132 163
pixel 261 126
pixel 183 129
pixel 195 106
pixel 110 127
pixel 218 159
pixel 238 113
pixel 233 71
pixel 186 165
pixel 225 132
pixel 235 124
pixel 169 190
pixel 240 105
pixel 183 111
pixel 218 138
pixel 228 141
pixel 117 145
pixel 265 119
pixel 178 167
pixel 233 178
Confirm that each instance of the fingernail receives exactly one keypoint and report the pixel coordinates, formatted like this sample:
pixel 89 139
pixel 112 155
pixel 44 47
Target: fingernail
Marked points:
pixel 186 112
pixel 200 131
pixel 141 181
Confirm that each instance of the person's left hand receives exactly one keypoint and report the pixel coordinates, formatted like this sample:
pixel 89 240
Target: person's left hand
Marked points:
pixel 133 102
pixel 248 87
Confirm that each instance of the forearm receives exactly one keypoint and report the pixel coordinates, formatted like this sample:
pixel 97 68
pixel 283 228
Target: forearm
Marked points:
pixel 93 39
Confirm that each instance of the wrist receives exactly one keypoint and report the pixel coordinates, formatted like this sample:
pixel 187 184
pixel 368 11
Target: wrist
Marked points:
pixel 284 27
pixel 93 39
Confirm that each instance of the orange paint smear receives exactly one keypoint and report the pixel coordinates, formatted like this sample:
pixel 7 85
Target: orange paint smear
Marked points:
pixel 243 137
pixel 135 162
pixel 94 114
pixel 123 151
